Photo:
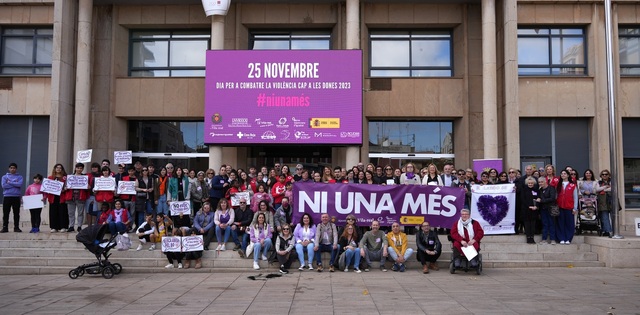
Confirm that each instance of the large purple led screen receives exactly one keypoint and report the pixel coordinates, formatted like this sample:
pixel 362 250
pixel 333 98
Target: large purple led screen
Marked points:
pixel 283 97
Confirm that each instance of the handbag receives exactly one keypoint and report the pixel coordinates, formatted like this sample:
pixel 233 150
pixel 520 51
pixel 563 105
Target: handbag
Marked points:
pixel 554 210
pixel 123 242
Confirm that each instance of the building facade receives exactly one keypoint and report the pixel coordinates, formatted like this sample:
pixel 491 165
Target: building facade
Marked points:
pixel 524 81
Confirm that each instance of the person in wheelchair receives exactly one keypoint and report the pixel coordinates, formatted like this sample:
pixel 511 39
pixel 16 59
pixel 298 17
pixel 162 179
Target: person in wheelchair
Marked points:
pixel 466 232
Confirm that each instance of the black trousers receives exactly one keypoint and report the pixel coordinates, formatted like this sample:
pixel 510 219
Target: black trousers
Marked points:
pixel 424 257
pixel 8 204
pixel 36 217
pixel 174 255
pixel 286 260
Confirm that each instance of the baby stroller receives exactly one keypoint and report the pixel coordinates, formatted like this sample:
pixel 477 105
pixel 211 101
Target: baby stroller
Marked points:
pixel 588 216
pixel 91 237
pixel 465 264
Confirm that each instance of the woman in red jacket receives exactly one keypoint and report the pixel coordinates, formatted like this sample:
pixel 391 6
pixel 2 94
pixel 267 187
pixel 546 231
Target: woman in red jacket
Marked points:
pixel 568 204
pixel 58 215
pixel 103 196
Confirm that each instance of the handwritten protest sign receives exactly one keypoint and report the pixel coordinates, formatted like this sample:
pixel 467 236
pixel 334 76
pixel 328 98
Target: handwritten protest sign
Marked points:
pixel 235 198
pixel 77 182
pixel 126 188
pixel 192 243
pixel 171 244
pixel 122 157
pixel 178 207
pixel 53 187
pixel 32 202
pixel 84 156
pixel 104 184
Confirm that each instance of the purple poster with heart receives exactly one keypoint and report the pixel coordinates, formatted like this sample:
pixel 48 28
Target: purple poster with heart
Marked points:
pixel 494 207
pixel 283 97
pixel 407 204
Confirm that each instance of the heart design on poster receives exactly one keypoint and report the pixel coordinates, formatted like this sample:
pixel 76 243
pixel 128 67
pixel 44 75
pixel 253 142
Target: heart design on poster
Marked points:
pixel 493 209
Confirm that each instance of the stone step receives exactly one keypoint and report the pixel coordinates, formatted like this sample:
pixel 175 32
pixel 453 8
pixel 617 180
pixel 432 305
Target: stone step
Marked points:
pixel 540 264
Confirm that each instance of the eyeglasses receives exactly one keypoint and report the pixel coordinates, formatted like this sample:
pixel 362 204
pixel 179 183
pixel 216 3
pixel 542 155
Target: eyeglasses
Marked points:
pixel 350 219
pixel 243 202
pixel 512 172
pixel 285 229
pixel 388 169
pixel 461 174
pixel 605 174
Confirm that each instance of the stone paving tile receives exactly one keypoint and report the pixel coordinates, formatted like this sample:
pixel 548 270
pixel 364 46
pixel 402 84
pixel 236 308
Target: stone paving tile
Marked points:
pixel 499 291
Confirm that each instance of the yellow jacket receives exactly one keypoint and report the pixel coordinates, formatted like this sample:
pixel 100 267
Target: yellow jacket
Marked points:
pixel 398 242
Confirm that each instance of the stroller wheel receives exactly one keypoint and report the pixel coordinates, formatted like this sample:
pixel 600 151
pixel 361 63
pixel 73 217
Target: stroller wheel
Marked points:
pixel 74 274
pixel 117 268
pixel 108 272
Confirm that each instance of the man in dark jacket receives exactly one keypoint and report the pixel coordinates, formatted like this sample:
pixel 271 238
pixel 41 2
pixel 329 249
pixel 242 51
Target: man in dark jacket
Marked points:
pixel 429 247
pixel 242 217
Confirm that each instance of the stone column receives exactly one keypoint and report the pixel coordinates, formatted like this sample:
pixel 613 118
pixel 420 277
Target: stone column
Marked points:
pixel 217 43
pixel 353 42
pixel 83 77
pixel 489 90
pixel 509 66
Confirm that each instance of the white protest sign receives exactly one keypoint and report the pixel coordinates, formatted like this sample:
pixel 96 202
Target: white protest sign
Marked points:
pixel 77 182
pixel 171 244
pixel 53 187
pixel 192 243
pixel 104 184
pixel 32 202
pixel 178 207
pixel 235 198
pixel 126 188
pixel 122 157
pixel 84 156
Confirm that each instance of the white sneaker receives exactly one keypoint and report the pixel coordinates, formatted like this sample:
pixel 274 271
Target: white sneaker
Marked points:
pixel 152 247
pixel 310 266
pixel 346 269
pixel 180 266
pixel 357 271
pixel 63 231
pixel 169 266
pixel 218 247
pixel 543 242
pixel 139 247
pixel 223 247
pixel 567 243
pixel 264 257
pixel 301 268
pixel 256 266
pixel 561 242
pixel 142 240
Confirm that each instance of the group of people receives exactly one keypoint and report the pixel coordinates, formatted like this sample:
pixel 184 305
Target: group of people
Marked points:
pixel 253 208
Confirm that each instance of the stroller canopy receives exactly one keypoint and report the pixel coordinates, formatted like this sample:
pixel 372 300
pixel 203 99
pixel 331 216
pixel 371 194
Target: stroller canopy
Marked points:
pixel 89 235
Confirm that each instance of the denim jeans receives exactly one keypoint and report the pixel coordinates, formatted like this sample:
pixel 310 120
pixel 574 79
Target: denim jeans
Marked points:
pixel 300 250
pixel 548 225
pixel 394 255
pixel 227 232
pixel 326 248
pixel 605 219
pixel 236 240
pixel 258 249
pixel 162 207
pixel 352 254
pixel 117 227
pixel 566 225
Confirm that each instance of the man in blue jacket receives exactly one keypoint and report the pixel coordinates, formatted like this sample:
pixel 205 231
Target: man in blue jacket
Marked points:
pixel 12 191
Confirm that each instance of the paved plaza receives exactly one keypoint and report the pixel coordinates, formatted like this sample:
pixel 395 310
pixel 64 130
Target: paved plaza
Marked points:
pixel 497 291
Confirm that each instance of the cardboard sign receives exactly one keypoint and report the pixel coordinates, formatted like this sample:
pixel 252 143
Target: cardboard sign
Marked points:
pixel 84 156
pixel 122 157
pixel 235 198
pixel 104 184
pixel 77 182
pixel 126 188
pixel 32 202
pixel 50 186
pixel 180 207
pixel 192 243
pixel 171 244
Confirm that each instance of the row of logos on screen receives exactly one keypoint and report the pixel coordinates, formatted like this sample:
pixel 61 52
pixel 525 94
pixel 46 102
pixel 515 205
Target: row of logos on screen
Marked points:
pixel 286 135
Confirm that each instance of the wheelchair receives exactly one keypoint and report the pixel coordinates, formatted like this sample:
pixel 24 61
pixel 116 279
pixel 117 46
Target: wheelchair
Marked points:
pixel 465 264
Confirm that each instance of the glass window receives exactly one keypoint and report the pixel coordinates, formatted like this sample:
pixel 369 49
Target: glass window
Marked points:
pixel 26 51
pixel 410 54
pixel 411 137
pixel 551 51
pixel 629 44
pixel 168 53
pixel 290 40
pixel 167 136
pixel 631 155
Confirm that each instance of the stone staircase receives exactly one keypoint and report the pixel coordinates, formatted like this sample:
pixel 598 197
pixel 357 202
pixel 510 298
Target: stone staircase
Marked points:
pixel 54 253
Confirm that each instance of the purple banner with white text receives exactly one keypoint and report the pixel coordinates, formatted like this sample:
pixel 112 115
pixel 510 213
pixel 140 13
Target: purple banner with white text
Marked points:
pixel 406 204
